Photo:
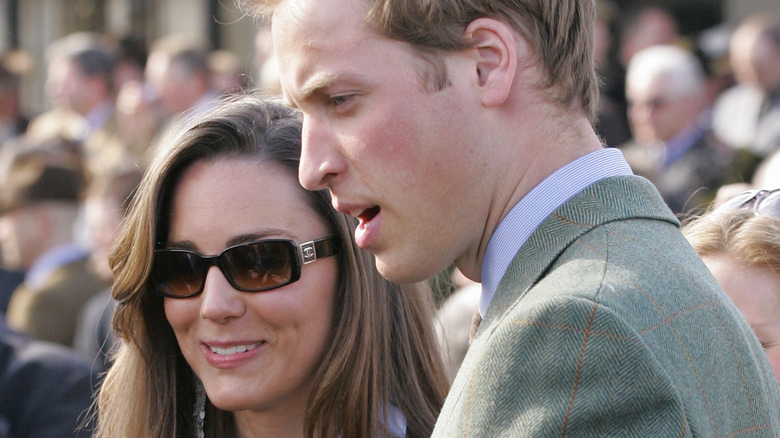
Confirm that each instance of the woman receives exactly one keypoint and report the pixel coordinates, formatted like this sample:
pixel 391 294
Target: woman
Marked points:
pixel 283 347
pixel 739 242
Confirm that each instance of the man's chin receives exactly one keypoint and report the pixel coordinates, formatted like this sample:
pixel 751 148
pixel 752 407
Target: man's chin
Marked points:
pixel 402 273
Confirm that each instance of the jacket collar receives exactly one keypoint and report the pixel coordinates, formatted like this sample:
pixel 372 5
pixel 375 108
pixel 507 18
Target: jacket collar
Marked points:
pixel 607 200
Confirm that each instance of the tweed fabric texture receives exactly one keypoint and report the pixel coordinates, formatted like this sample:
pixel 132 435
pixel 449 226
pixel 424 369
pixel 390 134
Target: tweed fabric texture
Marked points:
pixel 607 323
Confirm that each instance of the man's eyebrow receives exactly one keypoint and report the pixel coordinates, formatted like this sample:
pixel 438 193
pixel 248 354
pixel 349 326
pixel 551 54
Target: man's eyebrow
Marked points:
pixel 310 88
pixel 321 81
pixel 315 85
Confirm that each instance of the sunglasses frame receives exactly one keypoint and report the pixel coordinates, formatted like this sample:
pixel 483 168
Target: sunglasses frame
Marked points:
pixel 754 200
pixel 304 253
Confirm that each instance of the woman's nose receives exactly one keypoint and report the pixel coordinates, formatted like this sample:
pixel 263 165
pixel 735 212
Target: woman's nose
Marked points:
pixel 220 301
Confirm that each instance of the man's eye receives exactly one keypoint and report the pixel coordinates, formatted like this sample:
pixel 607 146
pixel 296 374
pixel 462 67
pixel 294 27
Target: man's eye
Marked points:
pixel 338 100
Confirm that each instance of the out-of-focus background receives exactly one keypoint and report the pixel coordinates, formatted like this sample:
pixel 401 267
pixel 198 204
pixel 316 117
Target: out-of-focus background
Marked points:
pixel 31 25
pixel 690 93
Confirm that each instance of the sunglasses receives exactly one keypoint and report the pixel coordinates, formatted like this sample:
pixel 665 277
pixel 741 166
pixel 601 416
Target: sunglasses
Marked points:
pixel 249 267
pixel 763 203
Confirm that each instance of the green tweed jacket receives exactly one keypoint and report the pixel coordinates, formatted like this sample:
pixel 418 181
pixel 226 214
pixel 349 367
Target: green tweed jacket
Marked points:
pixel 607 323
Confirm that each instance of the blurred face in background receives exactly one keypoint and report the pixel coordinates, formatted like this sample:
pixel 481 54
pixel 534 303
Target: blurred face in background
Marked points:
pixel 70 88
pixel 756 59
pixel 103 216
pixel 177 88
pixel 20 236
pixel 657 112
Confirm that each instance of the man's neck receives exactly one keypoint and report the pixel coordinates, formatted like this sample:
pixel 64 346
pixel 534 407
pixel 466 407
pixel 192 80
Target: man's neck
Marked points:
pixel 522 162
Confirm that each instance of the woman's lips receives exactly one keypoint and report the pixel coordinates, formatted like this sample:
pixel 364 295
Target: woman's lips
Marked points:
pixel 230 356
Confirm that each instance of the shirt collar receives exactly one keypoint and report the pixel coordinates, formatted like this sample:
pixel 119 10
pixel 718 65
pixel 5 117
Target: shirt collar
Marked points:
pixel 534 207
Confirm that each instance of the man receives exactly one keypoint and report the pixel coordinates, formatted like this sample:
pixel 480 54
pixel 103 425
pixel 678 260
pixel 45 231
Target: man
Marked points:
pixel 673 146
pixel 178 74
pixel 40 196
pixel 80 85
pixel 178 71
pixel 747 116
pixel 462 132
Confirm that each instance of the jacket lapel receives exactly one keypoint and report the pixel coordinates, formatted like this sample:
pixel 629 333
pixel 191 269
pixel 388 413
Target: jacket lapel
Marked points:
pixel 610 199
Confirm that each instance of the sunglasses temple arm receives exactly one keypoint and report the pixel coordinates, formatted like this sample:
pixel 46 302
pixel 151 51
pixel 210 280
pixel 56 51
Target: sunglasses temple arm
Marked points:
pixel 318 249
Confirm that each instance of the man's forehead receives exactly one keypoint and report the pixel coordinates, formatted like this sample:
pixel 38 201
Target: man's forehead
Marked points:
pixel 315 44
pixel 318 15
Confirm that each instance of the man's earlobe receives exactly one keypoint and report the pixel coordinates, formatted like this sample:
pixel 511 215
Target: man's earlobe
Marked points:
pixel 496 58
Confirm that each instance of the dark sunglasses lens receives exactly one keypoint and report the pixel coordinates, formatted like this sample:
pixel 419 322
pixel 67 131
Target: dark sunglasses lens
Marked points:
pixel 177 273
pixel 260 266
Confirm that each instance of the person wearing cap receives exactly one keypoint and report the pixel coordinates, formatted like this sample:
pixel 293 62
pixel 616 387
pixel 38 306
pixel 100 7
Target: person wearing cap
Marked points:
pixel 40 195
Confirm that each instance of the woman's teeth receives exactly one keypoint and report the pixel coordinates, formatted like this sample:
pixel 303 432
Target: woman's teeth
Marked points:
pixel 234 349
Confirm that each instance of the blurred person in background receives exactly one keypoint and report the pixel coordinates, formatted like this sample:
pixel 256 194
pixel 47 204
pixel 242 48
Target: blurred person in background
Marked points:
pixel 10 279
pixel 129 56
pixel 105 205
pixel 227 75
pixel 40 199
pixel 80 82
pixel 140 116
pixel 45 389
pixel 137 117
pixel 768 172
pixel 180 83
pixel 13 122
pixel 673 145
pixel 747 116
pixel 644 26
pixel 739 242
pixel 633 29
pixel 178 71
pixel 767 175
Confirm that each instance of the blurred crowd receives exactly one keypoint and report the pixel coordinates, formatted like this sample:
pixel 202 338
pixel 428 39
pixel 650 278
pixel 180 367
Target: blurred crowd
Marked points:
pixel 68 172
pixel 698 115
pixel 66 179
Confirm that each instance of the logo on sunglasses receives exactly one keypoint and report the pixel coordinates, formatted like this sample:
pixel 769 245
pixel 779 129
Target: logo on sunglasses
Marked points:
pixel 309 254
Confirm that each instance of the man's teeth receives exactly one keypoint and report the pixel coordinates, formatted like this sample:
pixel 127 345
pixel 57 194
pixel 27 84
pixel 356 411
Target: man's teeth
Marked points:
pixel 234 349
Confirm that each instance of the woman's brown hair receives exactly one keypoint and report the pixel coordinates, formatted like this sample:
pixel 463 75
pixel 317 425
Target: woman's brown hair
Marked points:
pixel 383 352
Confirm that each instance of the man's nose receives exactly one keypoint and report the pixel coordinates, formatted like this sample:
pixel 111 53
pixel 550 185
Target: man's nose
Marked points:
pixel 321 160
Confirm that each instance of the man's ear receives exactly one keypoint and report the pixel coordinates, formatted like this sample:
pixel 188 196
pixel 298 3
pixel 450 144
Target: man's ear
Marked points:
pixel 496 55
